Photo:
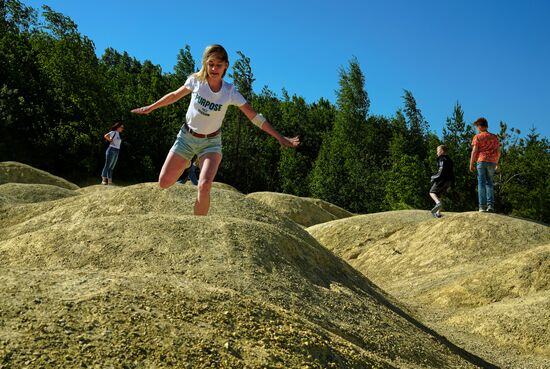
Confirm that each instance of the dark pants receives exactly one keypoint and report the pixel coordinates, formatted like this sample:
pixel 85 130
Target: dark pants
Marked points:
pixel 439 188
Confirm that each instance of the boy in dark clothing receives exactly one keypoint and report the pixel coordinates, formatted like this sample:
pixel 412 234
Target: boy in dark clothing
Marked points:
pixel 442 180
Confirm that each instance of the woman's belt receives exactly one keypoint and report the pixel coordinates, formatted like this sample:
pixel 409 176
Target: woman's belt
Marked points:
pixel 200 135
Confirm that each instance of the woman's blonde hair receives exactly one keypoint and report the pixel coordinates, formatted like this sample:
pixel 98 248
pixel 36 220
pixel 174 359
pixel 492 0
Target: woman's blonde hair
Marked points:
pixel 212 52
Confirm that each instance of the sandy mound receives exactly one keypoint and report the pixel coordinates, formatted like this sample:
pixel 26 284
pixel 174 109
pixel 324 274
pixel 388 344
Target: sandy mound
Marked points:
pixel 455 270
pixel 518 324
pixel 99 187
pixel 519 275
pixel 96 188
pixel 18 193
pixel 13 172
pixel 127 277
pixel 221 186
pixel 350 237
pixel 302 210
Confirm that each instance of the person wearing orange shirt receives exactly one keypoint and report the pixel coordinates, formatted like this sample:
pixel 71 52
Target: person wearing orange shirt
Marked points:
pixel 485 155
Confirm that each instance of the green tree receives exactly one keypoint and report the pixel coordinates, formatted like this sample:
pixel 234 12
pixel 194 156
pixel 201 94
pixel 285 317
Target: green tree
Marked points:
pixel 295 165
pixel 417 127
pixel 242 75
pixel 185 65
pixel 244 152
pixel 407 177
pixel 509 153
pixel 405 184
pixel 312 123
pixel 339 173
pixel 54 77
pixel 267 152
pixel 523 181
pixel 457 136
pixel 16 18
pixel 21 100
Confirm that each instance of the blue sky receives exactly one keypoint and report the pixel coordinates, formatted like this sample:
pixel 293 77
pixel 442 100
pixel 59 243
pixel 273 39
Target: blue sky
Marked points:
pixel 491 56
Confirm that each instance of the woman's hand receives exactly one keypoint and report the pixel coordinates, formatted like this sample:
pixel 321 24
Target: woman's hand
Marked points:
pixel 142 110
pixel 289 142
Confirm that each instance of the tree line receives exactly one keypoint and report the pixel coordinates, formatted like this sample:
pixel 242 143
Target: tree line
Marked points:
pixel 57 99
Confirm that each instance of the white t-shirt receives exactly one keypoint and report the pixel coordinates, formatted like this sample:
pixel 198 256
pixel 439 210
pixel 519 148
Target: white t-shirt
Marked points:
pixel 207 109
pixel 116 139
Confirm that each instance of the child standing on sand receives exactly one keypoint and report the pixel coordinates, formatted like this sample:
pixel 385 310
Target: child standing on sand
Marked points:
pixel 442 180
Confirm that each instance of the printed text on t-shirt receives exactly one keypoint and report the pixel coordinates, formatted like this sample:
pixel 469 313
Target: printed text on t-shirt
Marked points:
pixel 207 104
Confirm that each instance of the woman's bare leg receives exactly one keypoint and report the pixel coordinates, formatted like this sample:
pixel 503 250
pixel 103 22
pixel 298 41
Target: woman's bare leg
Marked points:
pixel 209 164
pixel 173 167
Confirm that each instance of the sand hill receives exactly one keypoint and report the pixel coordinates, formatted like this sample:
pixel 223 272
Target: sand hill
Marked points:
pixel 127 277
pixel 16 193
pixel 14 172
pixel 481 279
pixel 302 210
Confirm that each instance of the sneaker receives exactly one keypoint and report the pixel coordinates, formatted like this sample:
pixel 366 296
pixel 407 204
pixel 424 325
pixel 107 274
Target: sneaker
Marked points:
pixel 481 210
pixel 490 209
pixel 436 208
pixel 104 182
pixel 437 215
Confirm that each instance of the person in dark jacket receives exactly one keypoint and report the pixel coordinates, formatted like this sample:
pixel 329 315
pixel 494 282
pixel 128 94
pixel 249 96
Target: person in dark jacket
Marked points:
pixel 442 180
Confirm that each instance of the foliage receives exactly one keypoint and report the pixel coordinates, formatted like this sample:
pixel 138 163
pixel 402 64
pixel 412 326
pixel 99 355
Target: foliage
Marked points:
pixel 457 136
pixel 524 183
pixel 185 66
pixel 57 99
pixel 338 175
pixel 404 179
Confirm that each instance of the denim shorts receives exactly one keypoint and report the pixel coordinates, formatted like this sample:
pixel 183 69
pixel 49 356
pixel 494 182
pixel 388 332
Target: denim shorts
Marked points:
pixel 187 145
